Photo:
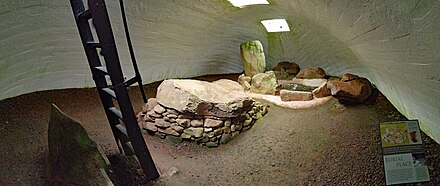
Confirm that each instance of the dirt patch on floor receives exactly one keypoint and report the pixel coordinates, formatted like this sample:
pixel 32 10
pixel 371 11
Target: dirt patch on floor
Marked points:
pixel 327 145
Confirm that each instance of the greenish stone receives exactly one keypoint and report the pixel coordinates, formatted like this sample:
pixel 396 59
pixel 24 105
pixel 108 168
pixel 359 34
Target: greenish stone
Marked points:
pixel 173 139
pixel 264 83
pixel 218 131
pixel 74 158
pixel 212 144
pixel 253 58
pixel 225 138
pixel 247 122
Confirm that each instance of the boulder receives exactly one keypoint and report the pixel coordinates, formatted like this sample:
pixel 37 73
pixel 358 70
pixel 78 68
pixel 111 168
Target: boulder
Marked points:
pixel 289 67
pixel 202 98
pixel 264 83
pixel 351 90
pixel 245 82
pixel 311 73
pixel 322 91
pixel 281 75
pixel 253 58
pixel 74 158
pixel 288 95
pixel 349 77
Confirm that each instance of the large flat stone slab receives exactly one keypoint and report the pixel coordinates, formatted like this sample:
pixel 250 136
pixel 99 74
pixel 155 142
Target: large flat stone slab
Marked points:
pixel 203 98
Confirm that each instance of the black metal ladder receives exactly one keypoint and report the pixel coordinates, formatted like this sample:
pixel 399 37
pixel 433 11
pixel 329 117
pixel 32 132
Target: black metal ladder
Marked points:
pixel 123 121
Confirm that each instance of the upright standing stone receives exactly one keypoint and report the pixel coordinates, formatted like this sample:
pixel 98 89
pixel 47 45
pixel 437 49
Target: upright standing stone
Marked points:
pixel 252 56
pixel 75 159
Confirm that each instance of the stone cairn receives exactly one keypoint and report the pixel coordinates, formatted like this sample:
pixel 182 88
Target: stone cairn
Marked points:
pixel 203 126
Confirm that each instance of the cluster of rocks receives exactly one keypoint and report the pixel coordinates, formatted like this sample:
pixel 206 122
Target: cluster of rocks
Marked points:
pixel 207 113
pixel 292 83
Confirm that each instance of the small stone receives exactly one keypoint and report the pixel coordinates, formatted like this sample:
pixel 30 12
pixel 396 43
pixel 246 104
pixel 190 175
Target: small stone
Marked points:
pixel 227 130
pixel 148 118
pixel 172 120
pixel 172 116
pixel 207 130
pixel 228 123
pixel 233 128
pixel 174 139
pixel 247 122
pixel 159 109
pixel 162 123
pixel 258 115
pixel 183 122
pixel 184 116
pixel 213 123
pixel 169 131
pixel 197 122
pixel 193 131
pixel 211 144
pixel 185 136
pixel 210 134
pixel 166 118
pixel 238 127
pixel 225 138
pixel 176 127
pixel 150 126
pixel 218 131
pixel 153 114
pixel 172 111
pixel 172 171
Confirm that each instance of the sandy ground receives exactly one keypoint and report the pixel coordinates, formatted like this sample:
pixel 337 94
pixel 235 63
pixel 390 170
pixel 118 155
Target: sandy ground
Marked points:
pixel 326 145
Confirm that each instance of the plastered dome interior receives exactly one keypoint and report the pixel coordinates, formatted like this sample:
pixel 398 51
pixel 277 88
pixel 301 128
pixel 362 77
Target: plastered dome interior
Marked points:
pixel 394 43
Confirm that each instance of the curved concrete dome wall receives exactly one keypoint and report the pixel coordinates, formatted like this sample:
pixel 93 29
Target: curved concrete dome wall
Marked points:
pixel 393 43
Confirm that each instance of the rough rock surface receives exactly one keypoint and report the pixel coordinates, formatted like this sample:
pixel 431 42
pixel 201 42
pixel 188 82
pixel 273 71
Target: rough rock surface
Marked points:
pixel 311 73
pixel 281 74
pixel 289 67
pixel 209 131
pixel 229 85
pixel 322 91
pixel 288 95
pixel 202 98
pixel 74 157
pixel 253 58
pixel 264 83
pixel 245 82
pixel 351 89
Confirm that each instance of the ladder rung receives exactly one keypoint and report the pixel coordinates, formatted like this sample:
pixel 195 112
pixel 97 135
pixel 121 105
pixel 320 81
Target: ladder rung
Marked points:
pixel 93 44
pixel 110 92
pixel 121 129
pixel 84 16
pixel 128 82
pixel 115 111
pixel 102 70
pixel 128 144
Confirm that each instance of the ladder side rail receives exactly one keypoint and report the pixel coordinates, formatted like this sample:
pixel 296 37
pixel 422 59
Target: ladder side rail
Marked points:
pixel 132 55
pixel 93 60
pixel 103 29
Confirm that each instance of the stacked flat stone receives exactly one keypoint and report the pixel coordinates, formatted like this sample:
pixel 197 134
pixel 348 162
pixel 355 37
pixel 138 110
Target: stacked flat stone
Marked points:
pixel 207 130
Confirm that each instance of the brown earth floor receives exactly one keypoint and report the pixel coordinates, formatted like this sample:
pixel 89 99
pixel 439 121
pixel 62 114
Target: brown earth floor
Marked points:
pixel 327 145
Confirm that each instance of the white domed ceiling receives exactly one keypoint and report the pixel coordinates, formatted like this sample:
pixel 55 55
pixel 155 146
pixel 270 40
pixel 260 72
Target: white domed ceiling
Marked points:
pixel 394 43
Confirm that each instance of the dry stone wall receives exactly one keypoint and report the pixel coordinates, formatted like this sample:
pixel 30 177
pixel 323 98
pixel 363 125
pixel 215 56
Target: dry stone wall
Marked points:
pixel 207 130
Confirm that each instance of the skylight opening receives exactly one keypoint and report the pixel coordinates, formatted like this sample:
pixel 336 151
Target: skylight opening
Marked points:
pixel 243 3
pixel 276 25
